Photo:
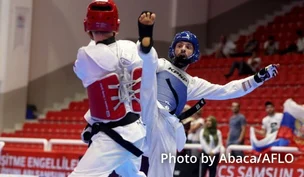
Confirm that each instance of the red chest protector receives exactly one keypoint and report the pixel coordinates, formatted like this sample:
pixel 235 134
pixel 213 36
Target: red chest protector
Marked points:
pixel 108 96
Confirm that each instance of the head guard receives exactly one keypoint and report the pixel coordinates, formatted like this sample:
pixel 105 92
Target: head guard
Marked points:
pixel 102 15
pixel 185 36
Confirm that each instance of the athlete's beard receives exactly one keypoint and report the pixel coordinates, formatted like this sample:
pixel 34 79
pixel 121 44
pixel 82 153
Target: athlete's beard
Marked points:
pixel 181 61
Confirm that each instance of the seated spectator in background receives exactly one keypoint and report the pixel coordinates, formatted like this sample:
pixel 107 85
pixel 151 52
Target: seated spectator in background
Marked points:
pixel 237 128
pixel 300 41
pixel 211 141
pixel 250 46
pixel 271 46
pixel 31 111
pixel 245 68
pixel 196 125
pixel 271 123
pixel 297 46
pixel 225 49
pixel 186 122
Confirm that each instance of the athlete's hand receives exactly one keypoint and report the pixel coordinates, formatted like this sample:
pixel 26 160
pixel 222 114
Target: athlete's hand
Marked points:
pixel 267 73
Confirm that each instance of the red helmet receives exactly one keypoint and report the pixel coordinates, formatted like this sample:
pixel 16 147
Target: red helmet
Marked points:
pixel 102 15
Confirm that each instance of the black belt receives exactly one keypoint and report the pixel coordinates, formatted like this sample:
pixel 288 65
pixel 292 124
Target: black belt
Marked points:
pixel 107 129
pixel 193 109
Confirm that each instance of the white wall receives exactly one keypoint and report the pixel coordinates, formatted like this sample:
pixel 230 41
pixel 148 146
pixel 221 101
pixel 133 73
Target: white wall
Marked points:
pixel 200 11
pixel 2 44
pixel 191 12
pixel 57 34
pixel 130 10
pixel 217 7
pixel 15 44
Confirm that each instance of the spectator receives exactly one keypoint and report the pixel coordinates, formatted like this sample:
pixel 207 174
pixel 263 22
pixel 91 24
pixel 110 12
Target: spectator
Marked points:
pixel 271 123
pixel 195 128
pixel 300 41
pixel 271 46
pixel 225 48
pixel 251 46
pixel 237 128
pixel 186 122
pixel 246 68
pixel 211 141
pixel 297 46
pixel 31 111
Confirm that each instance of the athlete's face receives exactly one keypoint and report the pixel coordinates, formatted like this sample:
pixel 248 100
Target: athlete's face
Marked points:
pixel 183 49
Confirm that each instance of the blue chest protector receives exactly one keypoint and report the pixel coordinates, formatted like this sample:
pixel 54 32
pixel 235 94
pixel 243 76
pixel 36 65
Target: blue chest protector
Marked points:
pixel 172 84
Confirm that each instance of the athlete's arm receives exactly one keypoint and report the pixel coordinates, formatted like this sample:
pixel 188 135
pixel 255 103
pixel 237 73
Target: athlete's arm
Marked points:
pixel 200 88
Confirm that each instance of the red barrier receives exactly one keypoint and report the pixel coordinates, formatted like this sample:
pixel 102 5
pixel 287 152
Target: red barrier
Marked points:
pixel 48 164
pixel 261 170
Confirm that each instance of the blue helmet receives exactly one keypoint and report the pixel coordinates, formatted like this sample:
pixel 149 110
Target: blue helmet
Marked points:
pixel 185 36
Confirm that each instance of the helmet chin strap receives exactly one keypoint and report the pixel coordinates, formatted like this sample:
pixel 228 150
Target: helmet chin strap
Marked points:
pixel 181 61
